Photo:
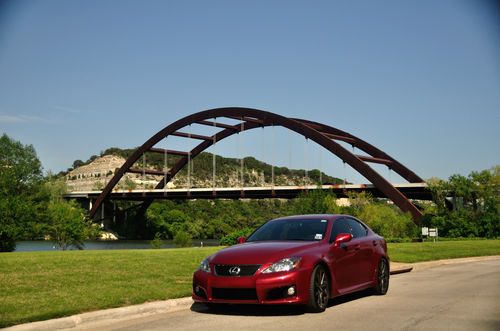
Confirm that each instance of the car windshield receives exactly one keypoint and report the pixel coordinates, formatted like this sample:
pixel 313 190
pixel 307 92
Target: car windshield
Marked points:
pixel 291 229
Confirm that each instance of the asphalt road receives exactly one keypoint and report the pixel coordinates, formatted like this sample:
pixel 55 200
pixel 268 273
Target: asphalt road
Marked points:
pixel 462 296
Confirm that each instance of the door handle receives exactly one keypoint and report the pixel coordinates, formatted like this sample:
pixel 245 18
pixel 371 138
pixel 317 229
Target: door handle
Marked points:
pixel 374 243
pixel 357 247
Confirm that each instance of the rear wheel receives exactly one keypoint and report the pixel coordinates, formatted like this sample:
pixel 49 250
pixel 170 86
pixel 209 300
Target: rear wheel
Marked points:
pixel 319 290
pixel 382 277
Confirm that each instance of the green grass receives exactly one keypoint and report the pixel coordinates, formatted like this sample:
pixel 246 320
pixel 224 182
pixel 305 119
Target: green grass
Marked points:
pixel 428 251
pixel 43 285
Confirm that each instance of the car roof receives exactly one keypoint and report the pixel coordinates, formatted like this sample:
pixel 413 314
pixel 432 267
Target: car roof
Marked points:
pixel 310 217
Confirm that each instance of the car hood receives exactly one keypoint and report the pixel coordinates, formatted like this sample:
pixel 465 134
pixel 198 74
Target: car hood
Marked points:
pixel 261 252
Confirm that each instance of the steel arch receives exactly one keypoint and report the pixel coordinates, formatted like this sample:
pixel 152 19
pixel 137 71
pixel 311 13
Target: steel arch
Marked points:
pixel 323 135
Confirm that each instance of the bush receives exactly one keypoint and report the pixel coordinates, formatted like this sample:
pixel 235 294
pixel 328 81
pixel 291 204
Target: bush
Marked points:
pixel 182 239
pixel 232 238
pixel 156 242
pixel 68 225
pixel 387 221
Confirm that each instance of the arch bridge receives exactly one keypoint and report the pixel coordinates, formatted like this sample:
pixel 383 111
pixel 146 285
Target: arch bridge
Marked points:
pixel 247 119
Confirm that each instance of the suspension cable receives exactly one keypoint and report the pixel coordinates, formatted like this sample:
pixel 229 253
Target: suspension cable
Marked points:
pixel 143 171
pixel 345 179
pixel 189 163
pixel 263 156
pixel 213 156
pixel 290 154
pixel 242 178
pixel 307 163
pixel 165 168
pixel 273 156
pixel 320 165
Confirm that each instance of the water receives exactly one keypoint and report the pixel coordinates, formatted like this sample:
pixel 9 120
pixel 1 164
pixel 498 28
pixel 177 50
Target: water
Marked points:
pixel 44 245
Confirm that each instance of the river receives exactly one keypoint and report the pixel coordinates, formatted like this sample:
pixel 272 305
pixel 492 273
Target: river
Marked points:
pixel 46 245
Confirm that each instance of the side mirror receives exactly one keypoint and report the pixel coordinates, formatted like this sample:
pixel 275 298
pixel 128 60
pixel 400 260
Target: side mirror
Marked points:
pixel 241 240
pixel 342 238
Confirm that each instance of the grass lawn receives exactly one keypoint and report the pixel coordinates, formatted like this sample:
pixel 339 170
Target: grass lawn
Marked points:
pixel 428 251
pixel 42 285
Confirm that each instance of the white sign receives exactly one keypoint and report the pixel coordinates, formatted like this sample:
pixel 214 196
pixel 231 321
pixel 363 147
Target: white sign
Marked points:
pixel 433 232
pixel 425 231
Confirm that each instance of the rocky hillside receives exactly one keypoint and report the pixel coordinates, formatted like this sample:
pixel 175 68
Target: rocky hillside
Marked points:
pixel 97 171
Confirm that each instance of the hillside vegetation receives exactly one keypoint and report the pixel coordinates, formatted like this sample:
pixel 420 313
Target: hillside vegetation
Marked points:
pixel 94 173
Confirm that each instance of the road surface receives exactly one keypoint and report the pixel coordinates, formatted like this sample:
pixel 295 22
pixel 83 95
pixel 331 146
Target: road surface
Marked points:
pixel 463 296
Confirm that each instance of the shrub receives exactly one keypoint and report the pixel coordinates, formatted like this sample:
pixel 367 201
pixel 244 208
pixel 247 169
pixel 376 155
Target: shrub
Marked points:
pixel 182 239
pixel 232 238
pixel 156 242
pixel 387 221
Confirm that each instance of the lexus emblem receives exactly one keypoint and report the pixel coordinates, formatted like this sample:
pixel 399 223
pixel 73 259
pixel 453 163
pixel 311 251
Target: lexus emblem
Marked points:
pixel 234 271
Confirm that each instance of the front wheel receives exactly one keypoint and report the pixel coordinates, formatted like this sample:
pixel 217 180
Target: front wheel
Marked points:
pixel 319 290
pixel 382 277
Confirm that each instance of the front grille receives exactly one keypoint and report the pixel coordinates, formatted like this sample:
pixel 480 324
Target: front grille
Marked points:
pixel 245 270
pixel 234 293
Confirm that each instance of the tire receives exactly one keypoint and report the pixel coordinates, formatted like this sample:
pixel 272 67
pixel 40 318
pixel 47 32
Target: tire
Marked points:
pixel 382 278
pixel 319 290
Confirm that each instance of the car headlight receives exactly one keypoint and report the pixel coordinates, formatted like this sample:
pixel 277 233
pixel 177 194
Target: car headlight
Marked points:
pixel 287 264
pixel 204 265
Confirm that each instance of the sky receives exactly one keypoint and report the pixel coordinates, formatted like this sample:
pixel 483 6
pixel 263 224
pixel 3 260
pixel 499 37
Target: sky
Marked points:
pixel 420 80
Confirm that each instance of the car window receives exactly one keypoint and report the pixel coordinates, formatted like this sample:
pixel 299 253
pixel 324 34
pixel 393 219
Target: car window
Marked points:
pixel 340 225
pixel 291 229
pixel 358 229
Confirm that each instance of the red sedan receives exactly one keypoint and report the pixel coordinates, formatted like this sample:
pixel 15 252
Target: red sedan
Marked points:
pixel 304 260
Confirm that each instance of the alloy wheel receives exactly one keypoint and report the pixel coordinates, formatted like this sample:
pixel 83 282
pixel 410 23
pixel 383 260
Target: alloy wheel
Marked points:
pixel 321 294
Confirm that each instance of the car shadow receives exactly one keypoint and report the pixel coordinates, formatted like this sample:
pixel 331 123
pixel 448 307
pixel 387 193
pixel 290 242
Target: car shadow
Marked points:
pixel 270 310
pixel 350 297
pixel 247 310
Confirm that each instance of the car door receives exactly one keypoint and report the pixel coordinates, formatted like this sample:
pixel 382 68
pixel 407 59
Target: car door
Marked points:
pixel 345 257
pixel 364 256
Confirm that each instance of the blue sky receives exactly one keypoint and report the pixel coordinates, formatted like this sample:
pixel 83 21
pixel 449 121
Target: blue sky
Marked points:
pixel 418 79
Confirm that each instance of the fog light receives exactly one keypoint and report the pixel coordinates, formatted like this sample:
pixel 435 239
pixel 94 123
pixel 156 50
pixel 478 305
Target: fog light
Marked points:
pixel 291 291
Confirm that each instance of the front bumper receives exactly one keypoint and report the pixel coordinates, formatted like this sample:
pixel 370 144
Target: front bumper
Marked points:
pixel 257 289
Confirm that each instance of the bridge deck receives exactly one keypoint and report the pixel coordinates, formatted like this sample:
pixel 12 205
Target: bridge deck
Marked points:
pixel 417 191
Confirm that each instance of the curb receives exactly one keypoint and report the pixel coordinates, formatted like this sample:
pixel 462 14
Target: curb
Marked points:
pixel 122 313
pixel 157 307
pixel 401 270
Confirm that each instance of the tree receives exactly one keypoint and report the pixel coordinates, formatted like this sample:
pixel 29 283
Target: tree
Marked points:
pixel 467 206
pixel 182 239
pixel 78 163
pixel 388 221
pixel 68 224
pixel 20 182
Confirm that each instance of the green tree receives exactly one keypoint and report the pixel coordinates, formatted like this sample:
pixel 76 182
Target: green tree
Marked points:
pixel 156 243
pixel 387 221
pixel 78 163
pixel 68 225
pixel 20 181
pixel 467 206
pixel 232 238
pixel 182 239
